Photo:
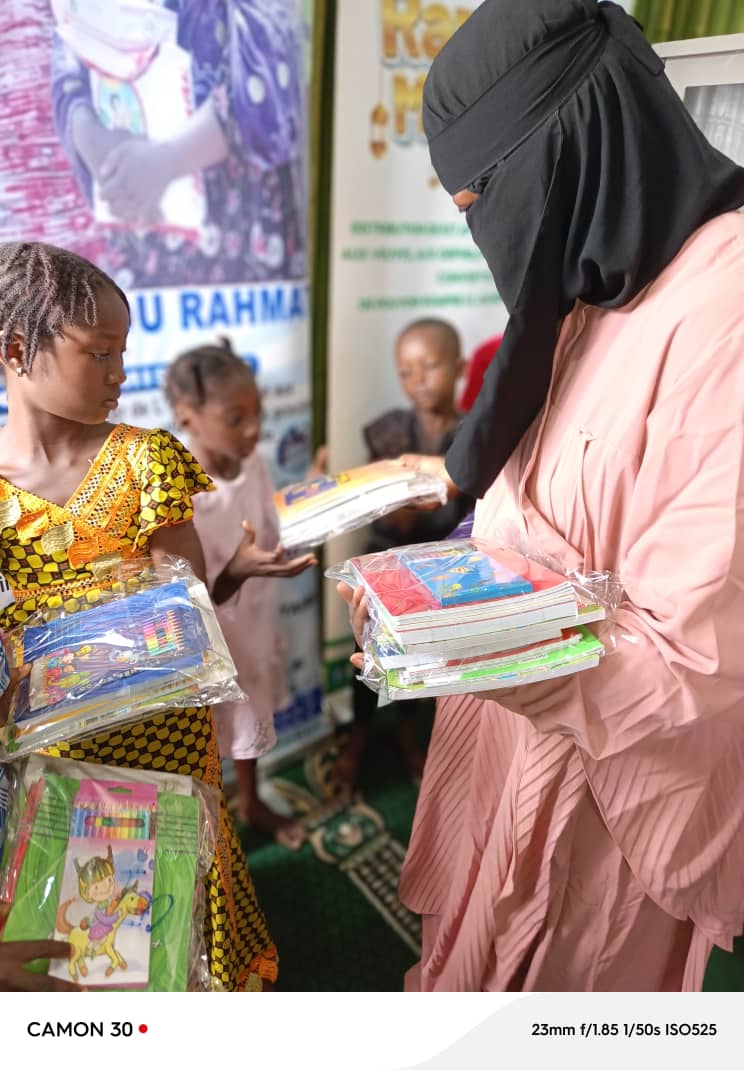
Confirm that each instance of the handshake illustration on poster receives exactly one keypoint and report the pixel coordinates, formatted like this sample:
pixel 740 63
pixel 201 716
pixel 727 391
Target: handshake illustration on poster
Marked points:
pixel 140 99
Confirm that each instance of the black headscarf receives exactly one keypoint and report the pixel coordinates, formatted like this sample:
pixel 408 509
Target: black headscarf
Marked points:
pixel 593 175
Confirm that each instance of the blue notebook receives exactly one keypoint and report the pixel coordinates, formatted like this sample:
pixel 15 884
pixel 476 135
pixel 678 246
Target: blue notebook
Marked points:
pixel 458 577
pixel 135 641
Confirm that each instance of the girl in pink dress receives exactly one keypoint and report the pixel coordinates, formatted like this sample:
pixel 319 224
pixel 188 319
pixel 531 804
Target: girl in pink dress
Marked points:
pixel 588 833
pixel 216 401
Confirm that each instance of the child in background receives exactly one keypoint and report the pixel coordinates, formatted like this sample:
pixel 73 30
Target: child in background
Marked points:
pixel 215 399
pixel 429 362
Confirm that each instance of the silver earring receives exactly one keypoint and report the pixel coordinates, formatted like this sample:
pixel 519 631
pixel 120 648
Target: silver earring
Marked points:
pixel 20 371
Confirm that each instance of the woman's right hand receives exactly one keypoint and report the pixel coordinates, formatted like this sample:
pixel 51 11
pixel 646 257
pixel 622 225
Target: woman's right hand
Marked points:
pixel 358 616
pixel 430 466
pixel 15 956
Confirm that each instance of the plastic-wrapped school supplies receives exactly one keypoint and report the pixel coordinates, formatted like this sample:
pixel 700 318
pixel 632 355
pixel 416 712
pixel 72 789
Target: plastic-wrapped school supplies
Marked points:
pixel 312 512
pixel 111 861
pixel 468 615
pixel 145 639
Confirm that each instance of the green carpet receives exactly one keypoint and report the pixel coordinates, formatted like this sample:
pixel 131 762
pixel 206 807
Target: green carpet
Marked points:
pixel 725 971
pixel 332 906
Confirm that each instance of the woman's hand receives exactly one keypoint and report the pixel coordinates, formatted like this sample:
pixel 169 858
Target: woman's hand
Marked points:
pixel 16 955
pixel 358 616
pixel 430 466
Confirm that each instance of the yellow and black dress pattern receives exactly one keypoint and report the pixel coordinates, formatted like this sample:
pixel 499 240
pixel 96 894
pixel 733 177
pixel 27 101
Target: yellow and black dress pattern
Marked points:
pixel 139 481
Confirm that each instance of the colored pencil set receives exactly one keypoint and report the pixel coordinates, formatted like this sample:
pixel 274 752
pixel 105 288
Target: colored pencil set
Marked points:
pixel 91 820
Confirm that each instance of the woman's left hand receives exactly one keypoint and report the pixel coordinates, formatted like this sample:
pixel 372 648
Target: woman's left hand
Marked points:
pixel 358 616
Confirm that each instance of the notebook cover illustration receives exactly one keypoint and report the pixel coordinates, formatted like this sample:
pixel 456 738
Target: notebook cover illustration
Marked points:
pixel 455 576
pixel 106 891
pixel 137 640
pixel 302 500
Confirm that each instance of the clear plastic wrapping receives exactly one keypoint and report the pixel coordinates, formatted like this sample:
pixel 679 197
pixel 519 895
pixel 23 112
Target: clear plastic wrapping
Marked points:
pixel 473 614
pixel 146 638
pixel 312 512
pixel 112 861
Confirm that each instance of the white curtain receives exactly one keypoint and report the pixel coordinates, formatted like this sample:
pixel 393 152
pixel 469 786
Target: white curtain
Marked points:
pixel 719 112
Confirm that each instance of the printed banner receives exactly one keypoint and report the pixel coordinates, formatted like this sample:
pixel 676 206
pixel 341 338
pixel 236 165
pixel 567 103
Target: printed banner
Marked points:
pixel 400 251
pixel 166 141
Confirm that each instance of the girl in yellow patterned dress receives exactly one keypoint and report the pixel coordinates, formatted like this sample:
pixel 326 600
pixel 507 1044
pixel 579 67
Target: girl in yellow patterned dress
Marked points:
pixel 75 488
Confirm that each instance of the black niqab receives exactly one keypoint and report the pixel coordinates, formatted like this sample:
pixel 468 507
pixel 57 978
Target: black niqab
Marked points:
pixel 593 174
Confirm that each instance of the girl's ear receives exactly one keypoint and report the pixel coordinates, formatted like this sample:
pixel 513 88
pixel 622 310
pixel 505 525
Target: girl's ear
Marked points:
pixel 184 415
pixel 13 360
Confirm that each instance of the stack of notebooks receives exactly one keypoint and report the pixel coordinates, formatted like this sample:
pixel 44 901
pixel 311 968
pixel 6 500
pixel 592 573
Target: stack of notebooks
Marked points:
pixel 113 663
pixel 312 512
pixel 456 617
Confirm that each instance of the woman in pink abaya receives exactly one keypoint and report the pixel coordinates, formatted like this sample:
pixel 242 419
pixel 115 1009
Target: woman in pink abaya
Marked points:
pixel 587 833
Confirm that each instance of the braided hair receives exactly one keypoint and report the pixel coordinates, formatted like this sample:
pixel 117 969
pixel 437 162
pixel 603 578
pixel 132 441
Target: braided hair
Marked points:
pixel 42 288
pixel 191 375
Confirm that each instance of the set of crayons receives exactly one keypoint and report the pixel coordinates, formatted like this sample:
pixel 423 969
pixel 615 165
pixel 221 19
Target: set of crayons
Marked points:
pixel 93 820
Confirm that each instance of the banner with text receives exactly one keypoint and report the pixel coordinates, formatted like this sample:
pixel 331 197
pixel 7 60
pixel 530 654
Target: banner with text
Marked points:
pixel 400 251
pixel 166 141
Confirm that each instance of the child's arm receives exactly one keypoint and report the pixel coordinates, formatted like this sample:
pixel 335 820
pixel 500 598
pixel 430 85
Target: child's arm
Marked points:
pixel 248 560
pixel 183 541
pixel 319 465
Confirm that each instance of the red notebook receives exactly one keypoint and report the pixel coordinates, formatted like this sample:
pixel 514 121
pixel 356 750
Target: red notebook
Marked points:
pixel 411 610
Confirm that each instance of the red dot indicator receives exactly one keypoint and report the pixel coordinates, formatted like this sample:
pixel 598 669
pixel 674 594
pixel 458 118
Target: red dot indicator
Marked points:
pixel 143 1029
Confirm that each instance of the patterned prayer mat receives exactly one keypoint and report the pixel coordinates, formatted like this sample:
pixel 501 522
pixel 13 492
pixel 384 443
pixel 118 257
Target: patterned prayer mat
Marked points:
pixel 333 906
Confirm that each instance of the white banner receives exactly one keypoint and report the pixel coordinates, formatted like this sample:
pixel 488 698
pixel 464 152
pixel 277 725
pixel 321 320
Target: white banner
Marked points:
pixel 400 250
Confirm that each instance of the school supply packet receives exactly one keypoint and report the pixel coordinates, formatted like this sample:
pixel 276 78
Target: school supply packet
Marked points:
pixel 318 509
pixel 111 861
pixel 145 639
pixel 466 615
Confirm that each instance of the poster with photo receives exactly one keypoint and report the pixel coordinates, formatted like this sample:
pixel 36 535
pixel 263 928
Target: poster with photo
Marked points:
pixel 166 141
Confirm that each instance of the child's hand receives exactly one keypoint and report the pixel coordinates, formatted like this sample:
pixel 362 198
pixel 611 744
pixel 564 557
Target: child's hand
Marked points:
pixel 248 560
pixel 6 699
pixel 15 956
pixel 319 466
pixel 429 466
pixel 358 616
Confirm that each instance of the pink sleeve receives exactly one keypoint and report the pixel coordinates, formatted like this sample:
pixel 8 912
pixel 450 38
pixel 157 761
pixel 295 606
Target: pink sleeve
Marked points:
pixel 679 659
